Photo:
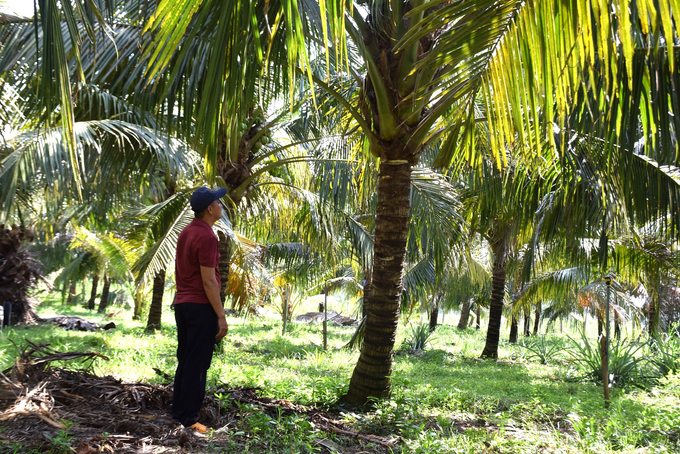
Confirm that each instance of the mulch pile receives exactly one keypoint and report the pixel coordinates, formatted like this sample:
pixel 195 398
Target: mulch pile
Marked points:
pixel 42 406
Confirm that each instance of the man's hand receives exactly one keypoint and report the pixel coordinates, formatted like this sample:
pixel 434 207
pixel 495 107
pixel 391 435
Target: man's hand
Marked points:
pixel 212 291
pixel 223 328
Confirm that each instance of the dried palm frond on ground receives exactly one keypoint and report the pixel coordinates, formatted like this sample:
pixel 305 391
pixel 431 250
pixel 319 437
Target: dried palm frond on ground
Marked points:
pixel 41 406
pixel 76 323
pixel 333 317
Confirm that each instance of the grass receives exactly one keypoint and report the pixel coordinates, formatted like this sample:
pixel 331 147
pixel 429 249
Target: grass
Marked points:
pixel 445 399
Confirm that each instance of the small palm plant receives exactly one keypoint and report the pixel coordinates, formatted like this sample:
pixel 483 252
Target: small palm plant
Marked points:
pixel 666 351
pixel 625 361
pixel 542 349
pixel 418 339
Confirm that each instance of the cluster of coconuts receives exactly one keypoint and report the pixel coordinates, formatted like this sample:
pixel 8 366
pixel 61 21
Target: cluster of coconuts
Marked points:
pixel 251 126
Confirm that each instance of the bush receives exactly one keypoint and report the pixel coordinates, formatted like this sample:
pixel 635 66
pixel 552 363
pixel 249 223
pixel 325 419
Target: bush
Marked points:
pixel 543 350
pixel 624 364
pixel 666 353
pixel 418 338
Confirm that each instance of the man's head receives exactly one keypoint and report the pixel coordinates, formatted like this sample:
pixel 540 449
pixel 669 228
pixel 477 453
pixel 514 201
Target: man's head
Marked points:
pixel 206 202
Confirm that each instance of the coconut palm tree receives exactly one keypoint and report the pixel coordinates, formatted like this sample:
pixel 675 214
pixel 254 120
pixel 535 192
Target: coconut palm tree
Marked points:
pixel 591 210
pixel 428 61
pixel 501 206
pixel 106 251
pixel 423 65
pixel 149 231
pixel 648 257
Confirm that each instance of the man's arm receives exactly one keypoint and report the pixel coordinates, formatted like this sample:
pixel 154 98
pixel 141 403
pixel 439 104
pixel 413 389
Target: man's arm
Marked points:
pixel 212 290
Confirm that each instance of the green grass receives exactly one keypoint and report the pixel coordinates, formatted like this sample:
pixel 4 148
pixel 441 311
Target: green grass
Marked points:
pixel 445 399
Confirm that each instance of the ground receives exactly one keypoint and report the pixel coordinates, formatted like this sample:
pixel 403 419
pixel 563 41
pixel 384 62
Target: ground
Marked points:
pixel 445 400
pixel 49 409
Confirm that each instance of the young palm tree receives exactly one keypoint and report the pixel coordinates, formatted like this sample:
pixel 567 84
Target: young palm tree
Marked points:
pixel 648 256
pixel 107 252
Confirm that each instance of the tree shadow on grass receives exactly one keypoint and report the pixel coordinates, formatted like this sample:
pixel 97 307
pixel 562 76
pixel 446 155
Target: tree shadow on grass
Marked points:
pixel 472 385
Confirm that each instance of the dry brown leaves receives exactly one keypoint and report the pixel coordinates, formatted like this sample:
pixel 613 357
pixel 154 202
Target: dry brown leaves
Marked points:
pixel 104 414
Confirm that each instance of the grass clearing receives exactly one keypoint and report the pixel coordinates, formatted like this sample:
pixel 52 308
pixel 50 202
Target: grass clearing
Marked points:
pixel 445 399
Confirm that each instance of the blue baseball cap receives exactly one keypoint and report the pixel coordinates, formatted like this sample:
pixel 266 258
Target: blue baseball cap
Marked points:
pixel 203 197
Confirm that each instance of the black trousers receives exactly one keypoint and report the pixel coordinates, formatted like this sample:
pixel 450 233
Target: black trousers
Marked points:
pixel 196 330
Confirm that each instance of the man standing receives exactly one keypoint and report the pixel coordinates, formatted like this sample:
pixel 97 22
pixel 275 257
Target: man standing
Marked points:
pixel 198 309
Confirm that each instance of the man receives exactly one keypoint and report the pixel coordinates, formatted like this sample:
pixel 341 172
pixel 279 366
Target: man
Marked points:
pixel 198 309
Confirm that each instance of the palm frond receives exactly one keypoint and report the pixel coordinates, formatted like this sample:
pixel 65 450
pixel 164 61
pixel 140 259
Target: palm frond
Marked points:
pixel 112 251
pixel 113 152
pixel 165 222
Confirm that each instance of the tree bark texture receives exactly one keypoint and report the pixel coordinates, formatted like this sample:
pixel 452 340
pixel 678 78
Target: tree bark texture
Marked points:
pixel 366 284
pixel 653 317
pixel 478 317
pixel 434 313
pixel 371 376
pixel 105 294
pixel 513 330
pixel 93 293
pixel 527 323
pixel 537 318
pixel 617 327
pixel 464 315
pixel 599 327
pixel 224 248
pixel 499 249
pixel 156 308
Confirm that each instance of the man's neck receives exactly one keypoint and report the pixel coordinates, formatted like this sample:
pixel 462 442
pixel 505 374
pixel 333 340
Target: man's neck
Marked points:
pixel 207 220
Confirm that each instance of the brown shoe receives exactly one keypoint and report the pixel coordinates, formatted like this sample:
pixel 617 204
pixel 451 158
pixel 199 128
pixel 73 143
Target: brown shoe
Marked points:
pixel 198 427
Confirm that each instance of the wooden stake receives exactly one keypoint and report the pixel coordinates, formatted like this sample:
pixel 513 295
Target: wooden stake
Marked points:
pixel 605 370
pixel 604 346
pixel 325 317
pixel 286 293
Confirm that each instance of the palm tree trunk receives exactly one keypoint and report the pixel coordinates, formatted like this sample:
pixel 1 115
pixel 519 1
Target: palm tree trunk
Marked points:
pixel 71 292
pixel 497 294
pixel 527 322
pixel 464 315
pixel 138 299
pixel 585 321
pixel 224 248
pixel 617 327
pixel 434 313
pixel 537 318
pixel 599 327
pixel 366 284
pixel 156 309
pixel 513 330
pixel 653 317
pixel 105 294
pixel 371 376
pixel 93 293
pixel 478 317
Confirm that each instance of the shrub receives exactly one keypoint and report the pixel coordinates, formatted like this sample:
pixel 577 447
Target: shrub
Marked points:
pixel 624 364
pixel 666 353
pixel 418 338
pixel 543 350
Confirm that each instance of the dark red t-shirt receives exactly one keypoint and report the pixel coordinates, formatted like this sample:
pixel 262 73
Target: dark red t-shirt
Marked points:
pixel 196 247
